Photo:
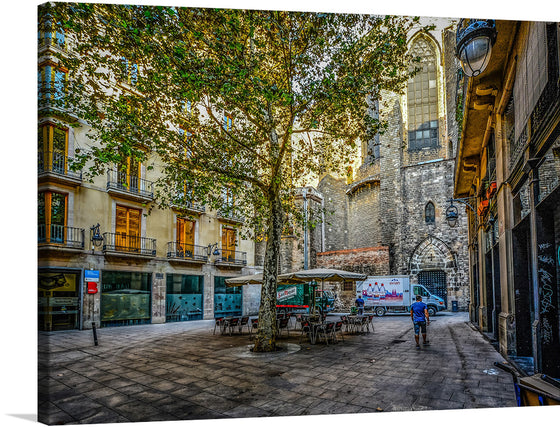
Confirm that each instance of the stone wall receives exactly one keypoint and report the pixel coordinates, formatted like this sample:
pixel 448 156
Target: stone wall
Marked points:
pixel 391 160
pixel 364 213
pixel 434 246
pixel 336 212
pixel 372 261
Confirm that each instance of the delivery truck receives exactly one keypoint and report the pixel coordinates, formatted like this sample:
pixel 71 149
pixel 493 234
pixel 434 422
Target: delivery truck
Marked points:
pixel 395 294
pixel 296 298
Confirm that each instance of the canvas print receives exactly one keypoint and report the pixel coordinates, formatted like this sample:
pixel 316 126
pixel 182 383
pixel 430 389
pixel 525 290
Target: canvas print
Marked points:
pixel 251 213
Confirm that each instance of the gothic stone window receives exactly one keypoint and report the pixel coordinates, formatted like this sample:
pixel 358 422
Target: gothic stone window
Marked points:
pixel 422 98
pixel 430 213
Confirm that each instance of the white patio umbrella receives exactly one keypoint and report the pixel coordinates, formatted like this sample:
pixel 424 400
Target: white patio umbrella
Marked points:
pixel 251 279
pixel 257 279
pixel 323 274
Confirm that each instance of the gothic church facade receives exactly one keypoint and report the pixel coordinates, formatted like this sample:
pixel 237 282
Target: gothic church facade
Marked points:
pixel 395 200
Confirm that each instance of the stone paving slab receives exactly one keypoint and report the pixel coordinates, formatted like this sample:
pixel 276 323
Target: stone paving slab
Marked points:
pixel 182 371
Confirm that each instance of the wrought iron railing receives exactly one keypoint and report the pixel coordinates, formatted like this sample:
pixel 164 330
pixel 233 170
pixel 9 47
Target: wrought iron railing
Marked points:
pixel 53 162
pixel 126 243
pixel 231 257
pixel 492 169
pixel 61 235
pixel 183 251
pixel 118 180
pixel 230 215
pixel 181 201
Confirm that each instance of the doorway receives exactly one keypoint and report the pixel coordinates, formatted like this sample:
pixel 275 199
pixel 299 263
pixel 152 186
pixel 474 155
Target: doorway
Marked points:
pixel 435 281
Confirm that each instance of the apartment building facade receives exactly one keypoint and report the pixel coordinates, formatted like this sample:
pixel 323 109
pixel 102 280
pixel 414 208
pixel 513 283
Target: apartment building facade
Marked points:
pixel 508 169
pixel 106 253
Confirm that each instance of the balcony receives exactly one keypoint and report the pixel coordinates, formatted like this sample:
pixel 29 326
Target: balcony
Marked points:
pixel 231 259
pixel 181 252
pixel 181 203
pixel 230 216
pixel 53 236
pixel 124 244
pixel 54 167
pixel 129 187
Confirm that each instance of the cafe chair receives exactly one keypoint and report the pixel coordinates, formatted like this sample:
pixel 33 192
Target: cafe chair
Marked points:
pixel 337 329
pixel 325 331
pixel 244 322
pixel 305 330
pixel 218 324
pixel 231 324
pixel 345 322
pixel 370 322
pixel 254 326
pixel 283 323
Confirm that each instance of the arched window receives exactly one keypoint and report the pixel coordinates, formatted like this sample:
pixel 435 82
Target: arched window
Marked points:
pixel 430 213
pixel 422 94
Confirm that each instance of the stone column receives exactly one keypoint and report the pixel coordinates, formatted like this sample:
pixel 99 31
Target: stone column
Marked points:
pixel 483 315
pixel 159 295
pixel 208 293
pixel 506 320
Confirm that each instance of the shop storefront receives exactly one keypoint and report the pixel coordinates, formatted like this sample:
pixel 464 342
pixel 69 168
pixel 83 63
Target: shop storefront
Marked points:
pixel 125 298
pixel 184 297
pixel 59 299
pixel 228 301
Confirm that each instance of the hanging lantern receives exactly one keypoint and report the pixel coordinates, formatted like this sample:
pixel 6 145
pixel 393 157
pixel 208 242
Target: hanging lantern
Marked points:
pixel 452 215
pixel 475 39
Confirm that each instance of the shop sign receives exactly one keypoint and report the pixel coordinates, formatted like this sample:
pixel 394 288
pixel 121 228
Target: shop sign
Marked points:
pixel 91 276
pixel 57 282
pixel 286 293
pixel 64 301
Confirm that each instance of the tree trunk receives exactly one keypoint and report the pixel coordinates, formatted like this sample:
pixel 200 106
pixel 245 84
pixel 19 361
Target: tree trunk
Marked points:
pixel 266 336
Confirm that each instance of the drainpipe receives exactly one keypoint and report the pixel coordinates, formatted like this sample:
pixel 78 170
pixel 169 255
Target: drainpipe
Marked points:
pixel 305 255
pixel 535 327
pixel 494 325
pixel 322 223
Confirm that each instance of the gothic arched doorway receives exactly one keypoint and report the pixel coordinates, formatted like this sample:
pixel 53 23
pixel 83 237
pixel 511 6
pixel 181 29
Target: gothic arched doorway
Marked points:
pixel 432 262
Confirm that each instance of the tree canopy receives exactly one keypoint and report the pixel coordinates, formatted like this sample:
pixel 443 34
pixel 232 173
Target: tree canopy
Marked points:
pixel 240 106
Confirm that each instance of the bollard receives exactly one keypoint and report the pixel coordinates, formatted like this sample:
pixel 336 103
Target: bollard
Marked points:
pixel 94 333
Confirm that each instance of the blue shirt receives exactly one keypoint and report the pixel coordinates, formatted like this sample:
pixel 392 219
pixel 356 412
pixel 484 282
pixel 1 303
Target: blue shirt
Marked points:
pixel 359 302
pixel 418 311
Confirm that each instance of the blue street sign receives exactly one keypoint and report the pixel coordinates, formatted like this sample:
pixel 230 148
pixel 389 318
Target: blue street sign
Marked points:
pixel 91 275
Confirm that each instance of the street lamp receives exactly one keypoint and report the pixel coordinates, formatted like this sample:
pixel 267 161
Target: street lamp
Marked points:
pixel 213 246
pixel 452 215
pixel 475 38
pixel 96 237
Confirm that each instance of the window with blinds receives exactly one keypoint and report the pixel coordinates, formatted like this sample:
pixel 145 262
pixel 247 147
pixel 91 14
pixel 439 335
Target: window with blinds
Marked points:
pixel 423 127
pixel 185 234
pixel 127 228
pixel 52 148
pixel 531 75
pixel 229 240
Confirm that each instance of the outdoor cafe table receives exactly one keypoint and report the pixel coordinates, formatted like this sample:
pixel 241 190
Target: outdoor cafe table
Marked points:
pixel 356 322
pixel 314 330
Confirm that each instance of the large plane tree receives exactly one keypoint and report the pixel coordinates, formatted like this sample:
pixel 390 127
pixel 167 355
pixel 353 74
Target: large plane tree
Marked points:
pixel 239 106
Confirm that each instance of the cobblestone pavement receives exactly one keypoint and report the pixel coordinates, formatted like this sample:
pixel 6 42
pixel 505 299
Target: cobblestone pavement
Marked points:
pixel 181 371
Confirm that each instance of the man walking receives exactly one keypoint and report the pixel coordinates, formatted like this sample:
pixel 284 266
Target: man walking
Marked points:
pixel 420 316
pixel 360 304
